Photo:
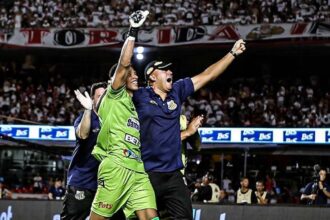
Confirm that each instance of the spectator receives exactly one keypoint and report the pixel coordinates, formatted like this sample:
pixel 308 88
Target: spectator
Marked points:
pixel 37 183
pixel 208 191
pixel 57 191
pixel 317 192
pixel 245 194
pixel 223 197
pixel 4 192
pixel 263 196
pixel 97 13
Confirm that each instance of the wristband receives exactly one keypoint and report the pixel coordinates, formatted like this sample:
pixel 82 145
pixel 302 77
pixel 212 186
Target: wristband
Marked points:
pixel 132 32
pixel 233 53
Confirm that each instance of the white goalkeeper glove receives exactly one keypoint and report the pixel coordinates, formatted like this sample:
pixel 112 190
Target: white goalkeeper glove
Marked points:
pixel 85 100
pixel 136 20
pixel 238 48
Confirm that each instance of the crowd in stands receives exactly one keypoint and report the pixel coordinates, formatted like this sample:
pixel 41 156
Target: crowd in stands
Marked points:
pixel 114 13
pixel 265 101
pixel 29 96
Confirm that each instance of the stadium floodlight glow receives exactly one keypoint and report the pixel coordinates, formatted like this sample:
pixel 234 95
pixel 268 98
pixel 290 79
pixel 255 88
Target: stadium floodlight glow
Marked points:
pixel 139 56
pixel 140 49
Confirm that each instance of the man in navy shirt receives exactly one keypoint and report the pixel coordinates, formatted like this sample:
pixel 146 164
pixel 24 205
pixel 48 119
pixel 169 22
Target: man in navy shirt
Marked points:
pixel 82 172
pixel 317 193
pixel 57 191
pixel 159 108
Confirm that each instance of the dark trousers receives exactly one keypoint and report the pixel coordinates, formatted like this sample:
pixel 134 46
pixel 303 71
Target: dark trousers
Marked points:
pixel 172 194
pixel 77 205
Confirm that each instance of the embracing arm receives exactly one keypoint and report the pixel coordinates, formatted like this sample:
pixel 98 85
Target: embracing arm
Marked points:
pixel 84 126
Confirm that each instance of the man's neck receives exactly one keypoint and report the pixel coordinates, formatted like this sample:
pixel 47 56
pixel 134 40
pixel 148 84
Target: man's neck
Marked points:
pixel 159 92
pixel 130 92
pixel 244 190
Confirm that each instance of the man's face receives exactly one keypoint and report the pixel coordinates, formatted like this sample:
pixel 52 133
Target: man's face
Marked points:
pixel 58 183
pixel 132 80
pixel 163 79
pixel 323 175
pixel 259 186
pixel 245 183
pixel 205 180
pixel 97 95
pixel 222 194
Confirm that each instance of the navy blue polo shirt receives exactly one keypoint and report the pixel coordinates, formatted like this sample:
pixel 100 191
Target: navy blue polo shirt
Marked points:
pixel 321 198
pixel 83 167
pixel 57 193
pixel 160 126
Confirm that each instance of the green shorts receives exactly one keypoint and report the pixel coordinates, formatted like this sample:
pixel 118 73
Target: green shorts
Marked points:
pixel 119 187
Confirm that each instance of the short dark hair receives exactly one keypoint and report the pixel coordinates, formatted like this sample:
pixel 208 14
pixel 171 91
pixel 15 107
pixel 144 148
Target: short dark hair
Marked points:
pixel 58 179
pixel 243 178
pixel 260 181
pixel 96 86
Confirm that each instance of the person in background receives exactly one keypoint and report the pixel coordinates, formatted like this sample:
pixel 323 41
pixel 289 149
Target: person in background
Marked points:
pixel 82 171
pixel 263 196
pixel 317 192
pixel 57 191
pixel 223 198
pixel 208 191
pixel 4 192
pixel 245 195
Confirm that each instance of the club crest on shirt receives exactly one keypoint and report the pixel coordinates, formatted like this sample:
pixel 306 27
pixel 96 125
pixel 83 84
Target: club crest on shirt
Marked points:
pixel 80 195
pixel 171 105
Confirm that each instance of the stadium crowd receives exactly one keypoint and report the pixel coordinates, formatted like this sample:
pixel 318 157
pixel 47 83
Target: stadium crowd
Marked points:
pixel 114 13
pixel 42 95
pixel 271 103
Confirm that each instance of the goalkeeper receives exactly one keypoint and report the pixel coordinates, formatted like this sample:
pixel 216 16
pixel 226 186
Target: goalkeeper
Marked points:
pixel 122 180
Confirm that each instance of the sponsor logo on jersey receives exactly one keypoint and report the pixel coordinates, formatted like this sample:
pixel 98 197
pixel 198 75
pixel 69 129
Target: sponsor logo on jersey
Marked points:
pixel 153 102
pixel 130 154
pixel 104 205
pixel 100 182
pixel 133 123
pixel 133 140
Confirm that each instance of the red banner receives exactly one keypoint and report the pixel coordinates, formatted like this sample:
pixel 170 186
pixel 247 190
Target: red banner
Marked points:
pixel 161 36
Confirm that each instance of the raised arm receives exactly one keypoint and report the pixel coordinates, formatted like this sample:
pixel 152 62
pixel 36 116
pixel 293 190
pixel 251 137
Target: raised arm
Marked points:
pixel 84 126
pixel 136 20
pixel 216 69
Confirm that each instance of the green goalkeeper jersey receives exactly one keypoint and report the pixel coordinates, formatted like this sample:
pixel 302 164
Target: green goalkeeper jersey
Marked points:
pixel 119 137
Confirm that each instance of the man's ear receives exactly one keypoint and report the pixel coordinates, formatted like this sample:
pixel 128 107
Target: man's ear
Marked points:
pixel 152 78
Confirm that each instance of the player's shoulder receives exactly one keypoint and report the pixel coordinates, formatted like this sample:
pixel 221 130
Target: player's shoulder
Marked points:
pixel 182 82
pixel 141 92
